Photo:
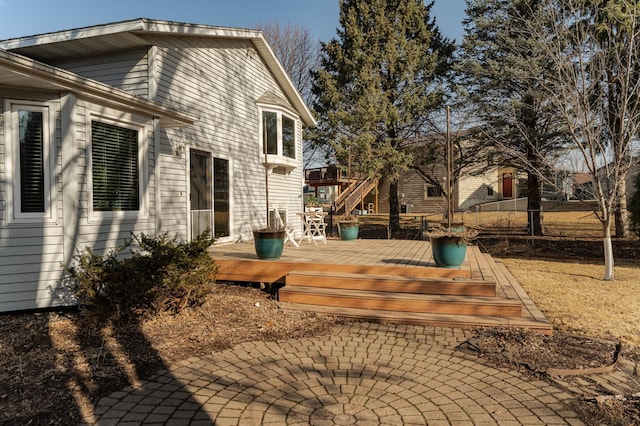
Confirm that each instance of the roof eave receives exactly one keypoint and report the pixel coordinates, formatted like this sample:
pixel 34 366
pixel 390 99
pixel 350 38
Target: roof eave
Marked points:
pixel 144 25
pixel 281 75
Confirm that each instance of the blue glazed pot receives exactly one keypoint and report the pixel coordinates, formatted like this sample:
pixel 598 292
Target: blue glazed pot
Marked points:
pixel 268 244
pixel 349 231
pixel 448 252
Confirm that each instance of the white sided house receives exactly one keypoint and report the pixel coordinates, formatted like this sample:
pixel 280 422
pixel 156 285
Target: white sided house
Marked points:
pixel 138 126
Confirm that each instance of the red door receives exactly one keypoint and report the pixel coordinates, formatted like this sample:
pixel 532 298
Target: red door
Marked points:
pixel 507 185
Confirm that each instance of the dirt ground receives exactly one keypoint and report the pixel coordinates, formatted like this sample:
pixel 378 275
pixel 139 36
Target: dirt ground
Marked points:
pixel 55 365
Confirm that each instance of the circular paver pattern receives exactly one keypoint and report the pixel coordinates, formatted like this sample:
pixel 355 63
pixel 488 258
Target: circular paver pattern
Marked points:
pixel 363 374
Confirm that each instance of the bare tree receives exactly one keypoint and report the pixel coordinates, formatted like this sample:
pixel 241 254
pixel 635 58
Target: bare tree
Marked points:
pixel 602 124
pixel 299 54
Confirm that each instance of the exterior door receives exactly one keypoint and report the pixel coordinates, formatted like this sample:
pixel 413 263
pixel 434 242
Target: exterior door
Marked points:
pixel 221 198
pixel 210 195
pixel 507 185
pixel 200 193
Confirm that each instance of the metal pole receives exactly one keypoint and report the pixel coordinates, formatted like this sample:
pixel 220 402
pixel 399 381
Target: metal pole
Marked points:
pixel 266 166
pixel 449 176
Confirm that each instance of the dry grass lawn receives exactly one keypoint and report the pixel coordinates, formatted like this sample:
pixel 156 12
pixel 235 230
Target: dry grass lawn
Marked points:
pixel 574 297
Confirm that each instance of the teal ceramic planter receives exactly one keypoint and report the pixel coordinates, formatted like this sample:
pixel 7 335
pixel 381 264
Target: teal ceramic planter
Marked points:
pixel 349 231
pixel 268 244
pixel 448 252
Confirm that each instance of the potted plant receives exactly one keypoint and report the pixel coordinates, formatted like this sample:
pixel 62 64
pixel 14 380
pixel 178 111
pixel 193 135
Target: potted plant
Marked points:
pixel 312 202
pixel 348 227
pixel 449 245
pixel 449 242
pixel 268 241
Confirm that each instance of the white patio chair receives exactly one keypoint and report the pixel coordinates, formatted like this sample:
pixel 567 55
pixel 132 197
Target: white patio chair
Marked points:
pixel 288 230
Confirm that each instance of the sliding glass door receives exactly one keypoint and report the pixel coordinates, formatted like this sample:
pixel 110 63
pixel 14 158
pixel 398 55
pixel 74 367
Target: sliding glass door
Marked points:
pixel 210 195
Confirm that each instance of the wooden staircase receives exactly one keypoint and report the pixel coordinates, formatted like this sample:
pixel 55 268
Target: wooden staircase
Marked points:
pixel 457 302
pixel 354 194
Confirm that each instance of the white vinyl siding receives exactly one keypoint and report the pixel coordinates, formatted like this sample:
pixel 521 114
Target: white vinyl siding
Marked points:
pixel 123 70
pixel 478 189
pixel 220 81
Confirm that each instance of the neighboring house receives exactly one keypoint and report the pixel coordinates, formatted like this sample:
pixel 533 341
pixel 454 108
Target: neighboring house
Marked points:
pixel 566 185
pixel 137 126
pixel 418 194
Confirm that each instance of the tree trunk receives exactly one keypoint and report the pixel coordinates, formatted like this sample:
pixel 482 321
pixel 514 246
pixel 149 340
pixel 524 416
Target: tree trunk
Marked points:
pixel 621 212
pixel 534 204
pixel 608 249
pixel 394 209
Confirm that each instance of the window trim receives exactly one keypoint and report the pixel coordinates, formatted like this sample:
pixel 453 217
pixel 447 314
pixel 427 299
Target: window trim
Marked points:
pixel 279 159
pixel 12 161
pixel 143 179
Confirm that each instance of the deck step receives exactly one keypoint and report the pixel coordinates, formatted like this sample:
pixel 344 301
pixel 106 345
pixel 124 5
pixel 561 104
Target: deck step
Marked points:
pixel 425 319
pixel 403 302
pixel 395 284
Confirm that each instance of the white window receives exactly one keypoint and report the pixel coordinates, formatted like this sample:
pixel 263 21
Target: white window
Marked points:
pixel 116 158
pixel 278 131
pixel 30 151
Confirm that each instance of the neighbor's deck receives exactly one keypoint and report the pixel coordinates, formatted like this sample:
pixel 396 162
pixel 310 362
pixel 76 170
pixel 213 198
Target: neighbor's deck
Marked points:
pixel 403 258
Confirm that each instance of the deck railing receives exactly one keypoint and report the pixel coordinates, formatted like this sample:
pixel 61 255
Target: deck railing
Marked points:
pixel 354 194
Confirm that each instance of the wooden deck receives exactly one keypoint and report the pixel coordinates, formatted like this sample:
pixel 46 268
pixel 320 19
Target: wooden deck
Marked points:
pixel 387 280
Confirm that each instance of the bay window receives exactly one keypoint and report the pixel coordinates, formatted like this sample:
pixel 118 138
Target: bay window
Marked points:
pixel 278 131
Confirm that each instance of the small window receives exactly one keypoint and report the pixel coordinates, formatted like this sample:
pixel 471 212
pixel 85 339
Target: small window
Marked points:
pixel 288 137
pixel 32 164
pixel 431 191
pixel 115 168
pixel 270 122
pixel 489 191
pixel 29 150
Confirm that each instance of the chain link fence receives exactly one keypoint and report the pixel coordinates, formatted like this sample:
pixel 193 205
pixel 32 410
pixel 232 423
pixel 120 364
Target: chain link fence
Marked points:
pixel 560 224
pixel 561 219
pixel 512 217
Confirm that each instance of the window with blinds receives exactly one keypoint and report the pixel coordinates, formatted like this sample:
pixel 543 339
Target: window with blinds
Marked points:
pixel 32 166
pixel 114 162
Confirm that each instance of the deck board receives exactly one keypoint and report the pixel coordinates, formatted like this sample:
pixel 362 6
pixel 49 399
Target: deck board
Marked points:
pixel 400 258
pixel 238 262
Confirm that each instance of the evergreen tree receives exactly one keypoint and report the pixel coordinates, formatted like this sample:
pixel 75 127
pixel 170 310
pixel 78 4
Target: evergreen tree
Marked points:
pixel 377 85
pixel 498 70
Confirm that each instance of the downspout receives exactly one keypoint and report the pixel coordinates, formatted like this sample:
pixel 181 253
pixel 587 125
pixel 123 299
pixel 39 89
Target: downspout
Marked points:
pixel 156 173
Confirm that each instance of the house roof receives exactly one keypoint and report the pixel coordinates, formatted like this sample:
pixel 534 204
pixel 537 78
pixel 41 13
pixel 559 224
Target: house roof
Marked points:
pixel 25 73
pixel 582 178
pixel 102 39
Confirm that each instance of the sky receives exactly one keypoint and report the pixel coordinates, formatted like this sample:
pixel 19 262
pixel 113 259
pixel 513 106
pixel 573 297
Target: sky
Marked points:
pixel 20 18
